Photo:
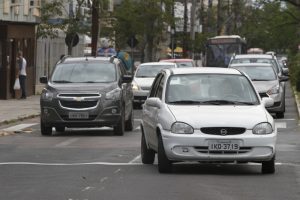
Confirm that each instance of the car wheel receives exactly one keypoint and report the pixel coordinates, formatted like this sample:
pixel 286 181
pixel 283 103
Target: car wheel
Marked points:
pixel 60 129
pixel 119 129
pixel 280 115
pixel 164 164
pixel 268 167
pixel 129 123
pixel 45 130
pixel 147 155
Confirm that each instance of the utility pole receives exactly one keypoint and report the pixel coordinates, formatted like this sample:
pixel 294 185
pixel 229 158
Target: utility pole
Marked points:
pixel 185 20
pixel 219 18
pixel 95 26
pixel 192 29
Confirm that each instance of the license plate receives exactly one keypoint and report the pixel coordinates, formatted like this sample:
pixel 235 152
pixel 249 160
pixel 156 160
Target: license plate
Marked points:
pixel 224 146
pixel 78 115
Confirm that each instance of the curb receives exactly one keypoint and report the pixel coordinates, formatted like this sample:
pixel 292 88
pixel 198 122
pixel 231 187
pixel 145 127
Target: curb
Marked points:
pixel 6 122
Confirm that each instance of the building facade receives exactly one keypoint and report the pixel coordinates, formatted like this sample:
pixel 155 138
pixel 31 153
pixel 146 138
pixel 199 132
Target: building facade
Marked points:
pixel 18 20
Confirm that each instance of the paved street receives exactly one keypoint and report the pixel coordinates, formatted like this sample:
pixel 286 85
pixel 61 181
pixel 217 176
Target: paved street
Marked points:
pixel 95 164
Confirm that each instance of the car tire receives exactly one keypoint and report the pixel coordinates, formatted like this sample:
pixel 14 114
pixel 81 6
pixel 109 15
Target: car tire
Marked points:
pixel 148 155
pixel 60 128
pixel 119 129
pixel 268 167
pixel 280 115
pixel 45 130
pixel 164 164
pixel 129 123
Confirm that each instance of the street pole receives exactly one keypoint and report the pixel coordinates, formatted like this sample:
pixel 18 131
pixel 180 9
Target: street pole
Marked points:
pixel 172 42
pixel 95 26
pixel 192 29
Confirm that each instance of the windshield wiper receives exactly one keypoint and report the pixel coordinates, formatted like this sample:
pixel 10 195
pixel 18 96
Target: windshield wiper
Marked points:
pixel 222 102
pixel 185 102
pixel 61 81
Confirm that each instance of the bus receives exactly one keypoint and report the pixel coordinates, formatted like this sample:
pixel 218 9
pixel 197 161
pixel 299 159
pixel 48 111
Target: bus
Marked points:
pixel 219 50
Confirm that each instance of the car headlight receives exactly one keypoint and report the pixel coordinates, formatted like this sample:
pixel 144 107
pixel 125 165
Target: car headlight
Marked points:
pixel 135 86
pixel 182 128
pixel 47 95
pixel 262 129
pixel 114 94
pixel 273 90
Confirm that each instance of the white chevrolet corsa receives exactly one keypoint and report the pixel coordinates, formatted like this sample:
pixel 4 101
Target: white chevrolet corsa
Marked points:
pixel 206 114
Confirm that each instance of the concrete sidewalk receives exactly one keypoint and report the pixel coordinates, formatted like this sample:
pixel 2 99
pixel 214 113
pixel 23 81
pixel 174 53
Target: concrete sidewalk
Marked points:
pixel 14 109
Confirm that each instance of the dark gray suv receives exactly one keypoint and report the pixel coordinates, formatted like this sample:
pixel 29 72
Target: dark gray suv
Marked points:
pixel 87 92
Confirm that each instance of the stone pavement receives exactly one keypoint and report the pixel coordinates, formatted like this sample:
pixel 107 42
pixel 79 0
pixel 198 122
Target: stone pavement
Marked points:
pixel 13 109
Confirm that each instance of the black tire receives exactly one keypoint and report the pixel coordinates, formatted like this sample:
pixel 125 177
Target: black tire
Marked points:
pixel 280 115
pixel 60 128
pixel 45 130
pixel 148 155
pixel 129 123
pixel 268 167
pixel 119 129
pixel 164 164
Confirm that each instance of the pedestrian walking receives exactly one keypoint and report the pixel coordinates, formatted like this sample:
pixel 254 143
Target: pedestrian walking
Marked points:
pixel 22 63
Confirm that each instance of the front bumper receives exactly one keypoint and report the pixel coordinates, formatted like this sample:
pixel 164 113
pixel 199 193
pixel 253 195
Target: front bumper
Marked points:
pixel 194 147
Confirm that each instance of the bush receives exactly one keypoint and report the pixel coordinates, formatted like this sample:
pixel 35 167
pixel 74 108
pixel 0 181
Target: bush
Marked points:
pixel 294 70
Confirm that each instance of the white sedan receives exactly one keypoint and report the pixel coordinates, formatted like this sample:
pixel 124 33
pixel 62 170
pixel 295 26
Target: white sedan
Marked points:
pixel 206 114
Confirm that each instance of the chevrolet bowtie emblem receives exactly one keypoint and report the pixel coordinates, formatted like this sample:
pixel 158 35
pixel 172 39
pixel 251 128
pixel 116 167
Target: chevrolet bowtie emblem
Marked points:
pixel 78 98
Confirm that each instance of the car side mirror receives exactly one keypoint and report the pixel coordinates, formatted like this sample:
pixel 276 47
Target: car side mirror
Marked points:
pixel 153 102
pixel 44 79
pixel 267 102
pixel 127 79
pixel 283 78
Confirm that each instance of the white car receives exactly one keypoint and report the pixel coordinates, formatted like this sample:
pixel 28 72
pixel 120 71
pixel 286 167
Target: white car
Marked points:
pixel 206 114
pixel 143 78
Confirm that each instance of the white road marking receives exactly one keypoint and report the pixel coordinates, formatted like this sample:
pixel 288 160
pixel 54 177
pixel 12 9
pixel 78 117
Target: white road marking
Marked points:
pixel 69 164
pixel 87 188
pixel 67 142
pixel 118 170
pixel 280 124
pixel 103 179
pixel 137 128
pixel 135 159
pixel 19 127
pixel 287 119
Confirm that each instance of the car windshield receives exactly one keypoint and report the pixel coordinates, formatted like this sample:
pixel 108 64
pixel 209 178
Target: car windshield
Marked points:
pixel 210 89
pixel 84 72
pixel 258 73
pixel 150 71
pixel 256 60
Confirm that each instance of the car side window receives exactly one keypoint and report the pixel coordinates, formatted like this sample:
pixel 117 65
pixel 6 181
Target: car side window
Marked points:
pixel 155 85
pixel 160 87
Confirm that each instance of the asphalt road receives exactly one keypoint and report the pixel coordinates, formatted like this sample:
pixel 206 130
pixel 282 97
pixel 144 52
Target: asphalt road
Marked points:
pixel 94 164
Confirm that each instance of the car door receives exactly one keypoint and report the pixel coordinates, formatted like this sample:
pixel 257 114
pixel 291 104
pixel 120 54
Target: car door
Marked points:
pixel 150 113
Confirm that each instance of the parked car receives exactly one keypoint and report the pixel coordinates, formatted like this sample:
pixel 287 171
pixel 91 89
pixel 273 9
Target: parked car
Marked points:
pixel 267 83
pixel 87 92
pixel 181 62
pixel 143 79
pixel 221 120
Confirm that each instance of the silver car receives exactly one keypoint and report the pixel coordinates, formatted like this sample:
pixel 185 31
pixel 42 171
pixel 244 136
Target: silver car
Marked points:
pixel 143 79
pixel 206 115
pixel 267 83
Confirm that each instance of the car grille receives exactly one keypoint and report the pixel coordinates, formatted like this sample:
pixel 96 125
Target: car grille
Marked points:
pixel 223 130
pixel 263 95
pixel 204 149
pixel 78 101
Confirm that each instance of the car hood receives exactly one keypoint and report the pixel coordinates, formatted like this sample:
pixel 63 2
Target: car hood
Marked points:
pixel 219 116
pixel 264 86
pixel 144 82
pixel 82 87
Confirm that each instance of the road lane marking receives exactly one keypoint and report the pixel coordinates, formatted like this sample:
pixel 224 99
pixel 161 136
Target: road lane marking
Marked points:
pixel 19 127
pixel 67 142
pixel 135 159
pixel 69 164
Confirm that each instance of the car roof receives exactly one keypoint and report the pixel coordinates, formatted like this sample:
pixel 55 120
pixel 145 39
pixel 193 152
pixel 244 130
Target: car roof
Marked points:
pixel 253 56
pixel 251 64
pixel 204 70
pixel 157 63
pixel 177 60
pixel 88 58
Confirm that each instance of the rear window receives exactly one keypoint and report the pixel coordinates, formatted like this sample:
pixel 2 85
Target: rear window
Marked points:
pixel 145 71
pixel 84 72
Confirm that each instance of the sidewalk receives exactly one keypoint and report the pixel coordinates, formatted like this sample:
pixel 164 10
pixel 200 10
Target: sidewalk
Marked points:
pixel 14 109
